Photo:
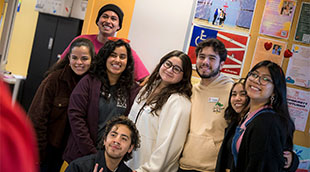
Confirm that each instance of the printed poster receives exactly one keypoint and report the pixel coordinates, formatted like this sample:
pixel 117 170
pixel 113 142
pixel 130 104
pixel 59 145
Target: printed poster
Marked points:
pixel 303 25
pixel 236 48
pixel 268 49
pixel 233 15
pixel 302 152
pixel 277 18
pixel 297 72
pixel 299 106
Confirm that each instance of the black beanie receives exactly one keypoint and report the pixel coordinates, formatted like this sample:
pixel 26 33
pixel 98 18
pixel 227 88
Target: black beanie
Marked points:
pixel 114 8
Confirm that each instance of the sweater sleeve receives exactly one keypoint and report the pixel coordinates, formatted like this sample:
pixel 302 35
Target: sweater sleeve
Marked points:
pixel 266 143
pixel 172 131
pixel 40 110
pixel 77 113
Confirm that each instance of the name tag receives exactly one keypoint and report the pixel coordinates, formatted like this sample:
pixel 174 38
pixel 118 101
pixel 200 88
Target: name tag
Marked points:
pixel 213 99
pixel 147 109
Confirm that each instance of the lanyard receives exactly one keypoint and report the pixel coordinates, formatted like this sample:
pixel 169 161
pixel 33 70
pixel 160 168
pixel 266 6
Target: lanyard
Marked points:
pixel 239 131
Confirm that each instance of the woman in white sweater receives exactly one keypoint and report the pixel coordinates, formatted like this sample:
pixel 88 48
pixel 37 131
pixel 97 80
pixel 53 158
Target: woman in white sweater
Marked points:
pixel 161 112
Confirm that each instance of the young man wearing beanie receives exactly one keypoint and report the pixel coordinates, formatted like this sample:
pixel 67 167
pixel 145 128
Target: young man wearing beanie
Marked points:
pixel 109 20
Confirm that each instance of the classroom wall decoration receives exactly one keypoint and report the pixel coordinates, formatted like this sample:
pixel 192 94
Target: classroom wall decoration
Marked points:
pixel 297 72
pixel 268 49
pixel 233 15
pixel 236 45
pixel 303 25
pixel 299 107
pixel 277 18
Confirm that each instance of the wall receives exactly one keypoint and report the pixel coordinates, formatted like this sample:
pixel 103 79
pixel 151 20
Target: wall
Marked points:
pixel 22 38
pixel 159 27
pixel 93 6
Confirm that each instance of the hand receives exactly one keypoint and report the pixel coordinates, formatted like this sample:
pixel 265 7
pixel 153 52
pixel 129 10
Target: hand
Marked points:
pixel 288 156
pixel 96 168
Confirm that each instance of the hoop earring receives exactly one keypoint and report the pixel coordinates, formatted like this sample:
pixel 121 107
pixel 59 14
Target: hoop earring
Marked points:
pixel 272 99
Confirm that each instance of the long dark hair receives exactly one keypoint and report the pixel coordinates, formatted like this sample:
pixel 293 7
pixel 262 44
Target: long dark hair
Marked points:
pixel 184 87
pixel 99 70
pixel 279 104
pixel 230 114
pixel 65 61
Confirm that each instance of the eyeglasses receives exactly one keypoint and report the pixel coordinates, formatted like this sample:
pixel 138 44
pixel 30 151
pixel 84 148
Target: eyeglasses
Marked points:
pixel 176 69
pixel 263 80
pixel 116 39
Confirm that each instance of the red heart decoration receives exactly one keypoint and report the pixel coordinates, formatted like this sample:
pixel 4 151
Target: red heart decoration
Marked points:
pixel 288 53
pixel 268 45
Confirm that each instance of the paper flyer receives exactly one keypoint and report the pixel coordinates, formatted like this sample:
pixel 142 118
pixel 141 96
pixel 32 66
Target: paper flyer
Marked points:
pixel 277 18
pixel 297 72
pixel 299 106
pixel 268 49
pixel 303 30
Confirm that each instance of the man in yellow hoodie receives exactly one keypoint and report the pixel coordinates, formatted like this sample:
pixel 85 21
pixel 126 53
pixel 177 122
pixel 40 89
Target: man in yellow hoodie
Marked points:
pixel 209 100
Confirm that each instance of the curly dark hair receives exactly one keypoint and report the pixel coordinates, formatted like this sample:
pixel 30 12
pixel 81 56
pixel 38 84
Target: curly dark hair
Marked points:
pixel 184 87
pixel 217 46
pixel 230 114
pixel 135 137
pixel 99 70
pixel 65 61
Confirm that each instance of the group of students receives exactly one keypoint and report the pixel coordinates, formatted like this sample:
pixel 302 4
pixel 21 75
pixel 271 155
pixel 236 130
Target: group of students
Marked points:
pixel 77 111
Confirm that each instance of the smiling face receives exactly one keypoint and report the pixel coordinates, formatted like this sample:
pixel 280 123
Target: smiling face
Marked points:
pixel 208 63
pixel 117 62
pixel 238 98
pixel 80 60
pixel 173 74
pixel 256 91
pixel 108 23
pixel 118 142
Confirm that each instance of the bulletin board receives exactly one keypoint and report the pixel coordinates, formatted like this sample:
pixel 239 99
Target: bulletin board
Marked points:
pixel 280 40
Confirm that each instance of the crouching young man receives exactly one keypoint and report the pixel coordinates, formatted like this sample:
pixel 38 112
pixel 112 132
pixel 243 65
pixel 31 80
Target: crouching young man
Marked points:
pixel 120 138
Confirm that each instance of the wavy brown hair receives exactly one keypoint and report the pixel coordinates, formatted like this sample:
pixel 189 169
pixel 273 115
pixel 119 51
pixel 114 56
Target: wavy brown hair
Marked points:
pixel 184 87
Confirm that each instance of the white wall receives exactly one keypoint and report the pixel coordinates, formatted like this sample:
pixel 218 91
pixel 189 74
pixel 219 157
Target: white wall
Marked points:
pixel 158 27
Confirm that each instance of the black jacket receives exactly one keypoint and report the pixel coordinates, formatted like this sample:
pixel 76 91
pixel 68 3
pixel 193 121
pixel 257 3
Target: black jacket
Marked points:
pixel 225 158
pixel 87 164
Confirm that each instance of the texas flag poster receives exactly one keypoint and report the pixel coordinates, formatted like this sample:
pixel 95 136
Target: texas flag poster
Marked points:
pixel 236 45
